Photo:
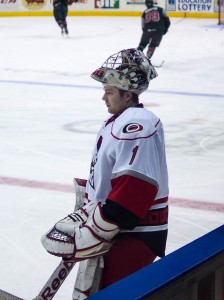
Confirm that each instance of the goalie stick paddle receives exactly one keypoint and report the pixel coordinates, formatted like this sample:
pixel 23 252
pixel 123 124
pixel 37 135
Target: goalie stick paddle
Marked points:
pixel 51 286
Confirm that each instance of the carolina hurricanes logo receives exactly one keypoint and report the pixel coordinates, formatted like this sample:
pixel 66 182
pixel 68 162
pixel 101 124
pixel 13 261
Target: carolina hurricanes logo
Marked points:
pixel 132 127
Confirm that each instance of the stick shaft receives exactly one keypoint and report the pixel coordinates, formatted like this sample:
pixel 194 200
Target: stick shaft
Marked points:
pixel 55 281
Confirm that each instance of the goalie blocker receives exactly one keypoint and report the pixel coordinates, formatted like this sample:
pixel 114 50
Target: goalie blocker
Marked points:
pixel 91 239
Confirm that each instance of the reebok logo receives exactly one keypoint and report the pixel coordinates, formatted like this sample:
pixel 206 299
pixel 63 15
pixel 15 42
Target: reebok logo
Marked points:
pixel 56 281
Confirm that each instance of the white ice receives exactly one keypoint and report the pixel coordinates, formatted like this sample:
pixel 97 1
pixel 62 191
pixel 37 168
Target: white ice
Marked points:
pixel 51 110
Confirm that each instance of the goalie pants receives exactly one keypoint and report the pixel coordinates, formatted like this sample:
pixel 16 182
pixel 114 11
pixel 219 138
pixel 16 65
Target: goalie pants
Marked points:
pixel 127 256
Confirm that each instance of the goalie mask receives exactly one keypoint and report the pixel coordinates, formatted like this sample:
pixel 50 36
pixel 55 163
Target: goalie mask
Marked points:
pixel 127 70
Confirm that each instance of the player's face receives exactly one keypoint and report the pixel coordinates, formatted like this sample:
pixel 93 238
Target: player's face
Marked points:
pixel 115 103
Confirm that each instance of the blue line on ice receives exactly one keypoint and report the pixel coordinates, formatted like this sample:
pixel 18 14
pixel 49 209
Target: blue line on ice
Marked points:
pixel 95 87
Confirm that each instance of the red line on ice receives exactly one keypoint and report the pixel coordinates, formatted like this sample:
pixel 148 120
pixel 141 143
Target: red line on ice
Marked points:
pixel 187 203
pixel 37 184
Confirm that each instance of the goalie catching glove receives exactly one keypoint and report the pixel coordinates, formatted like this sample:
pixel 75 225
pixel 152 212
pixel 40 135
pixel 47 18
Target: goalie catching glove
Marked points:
pixel 76 219
pixel 91 239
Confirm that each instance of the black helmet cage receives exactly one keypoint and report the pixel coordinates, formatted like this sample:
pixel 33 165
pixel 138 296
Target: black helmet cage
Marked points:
pixel 127 58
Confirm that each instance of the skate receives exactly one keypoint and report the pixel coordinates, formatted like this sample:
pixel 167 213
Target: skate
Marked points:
pixel 66 30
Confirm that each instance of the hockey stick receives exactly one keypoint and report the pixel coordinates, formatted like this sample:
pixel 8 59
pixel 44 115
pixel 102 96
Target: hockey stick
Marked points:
pixel 51 286
pixel 159 65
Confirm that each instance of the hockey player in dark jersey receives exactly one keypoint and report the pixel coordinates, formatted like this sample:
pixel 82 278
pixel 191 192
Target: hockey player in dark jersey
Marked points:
pixel 120 222
pixel 155 23
pixel 60 11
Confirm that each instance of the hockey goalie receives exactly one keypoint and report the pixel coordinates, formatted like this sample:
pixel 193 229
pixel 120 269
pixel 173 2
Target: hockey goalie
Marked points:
pixel 120 221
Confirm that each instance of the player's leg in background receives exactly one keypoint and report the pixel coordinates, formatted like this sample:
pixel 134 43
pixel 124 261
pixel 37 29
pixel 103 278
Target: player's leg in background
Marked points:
pixel 60 13
pixel 144 41
pixel 154 42
pixel 64 14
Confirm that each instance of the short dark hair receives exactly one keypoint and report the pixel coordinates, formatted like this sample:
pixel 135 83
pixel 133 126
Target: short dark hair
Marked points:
pixel 134 96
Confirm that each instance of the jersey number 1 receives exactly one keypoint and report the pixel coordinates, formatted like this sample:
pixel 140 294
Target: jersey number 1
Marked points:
pixel 134 152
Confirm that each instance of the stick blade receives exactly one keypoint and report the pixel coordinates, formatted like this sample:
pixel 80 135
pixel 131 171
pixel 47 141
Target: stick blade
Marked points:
pixel 6 296
pixel 159 65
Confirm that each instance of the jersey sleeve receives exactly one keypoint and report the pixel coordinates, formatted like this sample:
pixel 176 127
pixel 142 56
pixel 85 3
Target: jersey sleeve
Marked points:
pixel 143 20
pixel 133 193
pixel 166 20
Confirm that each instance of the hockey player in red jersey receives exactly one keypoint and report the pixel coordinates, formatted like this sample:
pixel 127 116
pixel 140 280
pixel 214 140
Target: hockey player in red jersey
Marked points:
pixel 120 222
pixel 155 23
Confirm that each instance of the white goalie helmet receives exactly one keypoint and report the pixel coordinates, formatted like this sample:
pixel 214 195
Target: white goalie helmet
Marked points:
pixel 128 70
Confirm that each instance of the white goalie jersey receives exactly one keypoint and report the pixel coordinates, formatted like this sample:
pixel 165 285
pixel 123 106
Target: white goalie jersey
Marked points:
pixel 129 165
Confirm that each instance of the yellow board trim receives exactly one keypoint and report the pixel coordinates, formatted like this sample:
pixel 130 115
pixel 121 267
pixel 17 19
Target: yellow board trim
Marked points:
pixel 106 13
